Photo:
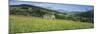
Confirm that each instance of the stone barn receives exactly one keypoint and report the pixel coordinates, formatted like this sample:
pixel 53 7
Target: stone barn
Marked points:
pixel 50 16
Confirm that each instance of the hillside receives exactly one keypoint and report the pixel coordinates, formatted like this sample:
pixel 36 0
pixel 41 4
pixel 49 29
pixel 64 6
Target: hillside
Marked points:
pixel 33 7
pixel 30 10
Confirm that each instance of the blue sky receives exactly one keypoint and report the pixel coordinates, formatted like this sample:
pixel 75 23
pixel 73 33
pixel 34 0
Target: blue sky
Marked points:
pixel 54 6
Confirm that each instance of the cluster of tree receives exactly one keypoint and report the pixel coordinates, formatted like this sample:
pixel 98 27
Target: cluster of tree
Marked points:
pixel 87 16
pixel 29 10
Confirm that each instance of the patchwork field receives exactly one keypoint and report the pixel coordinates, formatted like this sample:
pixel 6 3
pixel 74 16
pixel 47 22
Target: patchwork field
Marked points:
pixel 19 24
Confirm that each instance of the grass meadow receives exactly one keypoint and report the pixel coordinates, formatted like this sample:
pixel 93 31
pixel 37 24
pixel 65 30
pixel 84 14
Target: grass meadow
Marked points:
pixel 20 24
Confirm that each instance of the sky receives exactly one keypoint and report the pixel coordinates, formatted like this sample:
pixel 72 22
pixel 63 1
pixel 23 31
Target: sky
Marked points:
pixel 56 6
pixel 81 2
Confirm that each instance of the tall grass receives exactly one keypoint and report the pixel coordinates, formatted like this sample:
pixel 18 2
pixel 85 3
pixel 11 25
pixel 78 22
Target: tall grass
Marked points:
pixel 19 24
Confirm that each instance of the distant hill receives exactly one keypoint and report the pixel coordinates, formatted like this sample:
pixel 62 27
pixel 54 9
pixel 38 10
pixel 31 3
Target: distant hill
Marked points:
pixel 30 9
pixel 36 7
pixel 57 6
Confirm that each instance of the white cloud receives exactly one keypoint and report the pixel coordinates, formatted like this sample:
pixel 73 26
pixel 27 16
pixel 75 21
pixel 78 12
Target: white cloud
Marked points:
pixel 80 2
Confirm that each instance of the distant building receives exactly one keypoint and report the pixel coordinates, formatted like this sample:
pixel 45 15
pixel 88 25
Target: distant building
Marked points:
pixel 49 16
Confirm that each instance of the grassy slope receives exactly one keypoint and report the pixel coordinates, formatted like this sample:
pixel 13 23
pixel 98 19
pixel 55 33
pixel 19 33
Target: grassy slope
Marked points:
pixel 33 24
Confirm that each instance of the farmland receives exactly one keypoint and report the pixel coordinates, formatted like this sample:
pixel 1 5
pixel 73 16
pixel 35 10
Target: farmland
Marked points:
pixel 20 24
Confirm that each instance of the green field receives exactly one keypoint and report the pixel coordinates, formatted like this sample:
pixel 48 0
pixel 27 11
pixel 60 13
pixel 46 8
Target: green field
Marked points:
pixel 19 24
